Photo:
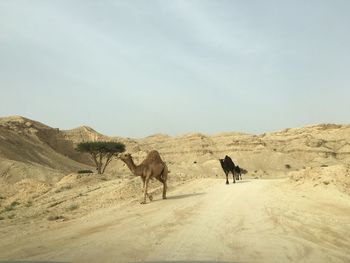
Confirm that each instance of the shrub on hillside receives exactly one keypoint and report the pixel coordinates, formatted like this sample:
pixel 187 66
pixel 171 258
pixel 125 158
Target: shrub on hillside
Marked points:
pixel 85 172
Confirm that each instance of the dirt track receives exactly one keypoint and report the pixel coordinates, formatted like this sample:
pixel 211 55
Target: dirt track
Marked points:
pixel 251 221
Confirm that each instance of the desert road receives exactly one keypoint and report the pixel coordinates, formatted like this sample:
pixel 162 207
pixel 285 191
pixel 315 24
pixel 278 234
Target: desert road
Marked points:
pixel 203 220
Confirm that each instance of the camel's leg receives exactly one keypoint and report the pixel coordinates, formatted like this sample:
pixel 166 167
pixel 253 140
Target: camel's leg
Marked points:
pixel 143 182
pixel 164 181
pixel 164 189
pixel 227 178
pixel 145 194
pixel 143 187
pixel 234 179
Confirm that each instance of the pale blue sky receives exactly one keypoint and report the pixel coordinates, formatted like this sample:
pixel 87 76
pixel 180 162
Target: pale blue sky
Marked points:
pixel 135 68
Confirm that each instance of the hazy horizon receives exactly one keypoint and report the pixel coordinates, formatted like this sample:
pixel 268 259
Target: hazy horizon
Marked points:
pixel 137 68
pixel 172 135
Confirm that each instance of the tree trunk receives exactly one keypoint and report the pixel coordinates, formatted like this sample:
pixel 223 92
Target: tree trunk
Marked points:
pixel 109 159
pixel 99 168
pixel 94 157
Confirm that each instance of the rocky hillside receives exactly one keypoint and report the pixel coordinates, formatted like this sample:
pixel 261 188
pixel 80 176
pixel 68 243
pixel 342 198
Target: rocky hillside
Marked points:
pixel 25 143
pixel 267 155
pixel 29 149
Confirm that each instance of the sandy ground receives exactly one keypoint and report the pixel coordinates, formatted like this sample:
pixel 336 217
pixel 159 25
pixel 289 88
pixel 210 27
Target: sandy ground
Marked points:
pixel 250 221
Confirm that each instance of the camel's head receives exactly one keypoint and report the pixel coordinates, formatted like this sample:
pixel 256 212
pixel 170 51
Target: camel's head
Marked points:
pixel 124 156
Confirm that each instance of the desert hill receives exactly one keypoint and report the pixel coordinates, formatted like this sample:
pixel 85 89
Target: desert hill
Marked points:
pixel 35 156
pixel 35 152
pixel 267 155
pixel 25 142
pixel 29 149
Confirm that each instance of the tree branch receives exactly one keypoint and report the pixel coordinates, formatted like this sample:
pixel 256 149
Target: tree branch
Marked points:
pixel 109 159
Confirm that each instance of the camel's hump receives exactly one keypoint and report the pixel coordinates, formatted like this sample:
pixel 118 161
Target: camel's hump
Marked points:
pixel 153 156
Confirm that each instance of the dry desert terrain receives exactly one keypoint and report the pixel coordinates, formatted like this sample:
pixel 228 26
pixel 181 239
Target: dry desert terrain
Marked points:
pixel 293 204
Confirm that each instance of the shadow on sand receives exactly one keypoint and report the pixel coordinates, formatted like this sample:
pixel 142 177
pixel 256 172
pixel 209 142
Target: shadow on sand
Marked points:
pixel 239 182
pixel 242 182
pixel 183 196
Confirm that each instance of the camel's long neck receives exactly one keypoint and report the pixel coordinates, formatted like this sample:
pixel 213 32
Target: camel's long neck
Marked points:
pixel 130 163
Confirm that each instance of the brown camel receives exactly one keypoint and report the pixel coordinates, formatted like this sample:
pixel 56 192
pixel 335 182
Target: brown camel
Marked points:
pixel 152 166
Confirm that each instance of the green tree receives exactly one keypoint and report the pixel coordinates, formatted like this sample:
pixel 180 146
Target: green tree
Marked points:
pixel 101 152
